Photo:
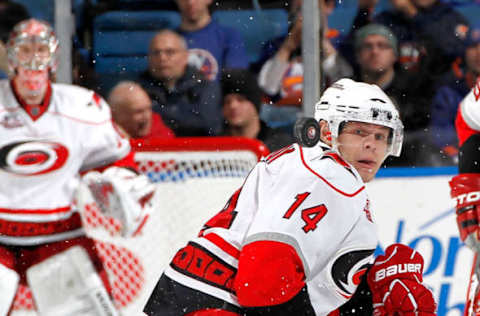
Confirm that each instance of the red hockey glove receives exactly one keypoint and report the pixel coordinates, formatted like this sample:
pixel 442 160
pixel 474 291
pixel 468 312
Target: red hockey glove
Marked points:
pixel 465 188
pixel 395 281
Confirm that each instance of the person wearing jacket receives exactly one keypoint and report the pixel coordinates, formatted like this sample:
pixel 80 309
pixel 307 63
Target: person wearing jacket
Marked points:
pixel 188 103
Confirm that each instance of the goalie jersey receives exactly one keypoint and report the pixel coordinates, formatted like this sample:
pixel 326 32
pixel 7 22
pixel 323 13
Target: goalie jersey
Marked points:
pixel 308 198
pixel 40 161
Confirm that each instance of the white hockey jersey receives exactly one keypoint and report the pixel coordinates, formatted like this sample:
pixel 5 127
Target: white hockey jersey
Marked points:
pixel 308 198
pixel 40 162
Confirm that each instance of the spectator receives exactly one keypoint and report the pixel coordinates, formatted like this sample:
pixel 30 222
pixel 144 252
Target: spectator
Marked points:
pixel 188 103
pixel 377 53
pixel 132 111
pixel 430 33
pixel 212 46
pixel 455 86
pixel 242 99
pixel 281 76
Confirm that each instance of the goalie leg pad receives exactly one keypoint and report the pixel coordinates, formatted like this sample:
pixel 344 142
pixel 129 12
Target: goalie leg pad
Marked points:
pixel 8 287
pixel 67 284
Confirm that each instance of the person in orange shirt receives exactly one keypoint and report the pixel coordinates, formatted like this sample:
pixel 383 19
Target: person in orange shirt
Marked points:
pixel 132 111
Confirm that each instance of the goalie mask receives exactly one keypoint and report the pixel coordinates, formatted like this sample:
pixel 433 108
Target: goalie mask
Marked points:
pixel 33 46
pixel 348 100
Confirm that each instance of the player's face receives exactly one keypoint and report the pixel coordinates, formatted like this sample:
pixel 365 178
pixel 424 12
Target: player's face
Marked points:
pixel 376 55
pixel 193 10
pixel 472 58
pixel 238 110
pixel 167 57
pixel 364 146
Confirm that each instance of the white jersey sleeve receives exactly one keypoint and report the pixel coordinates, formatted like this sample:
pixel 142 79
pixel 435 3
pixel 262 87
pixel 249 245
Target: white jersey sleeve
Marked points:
pixel 102 142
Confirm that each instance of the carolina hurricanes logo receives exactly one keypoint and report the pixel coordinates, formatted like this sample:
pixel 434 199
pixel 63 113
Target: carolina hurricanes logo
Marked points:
pixel 29 158
pixel 476 90
pixel 367 211
pixel 348 269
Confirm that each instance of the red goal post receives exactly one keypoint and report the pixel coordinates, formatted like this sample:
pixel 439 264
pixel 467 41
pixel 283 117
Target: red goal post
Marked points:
pixel 194 179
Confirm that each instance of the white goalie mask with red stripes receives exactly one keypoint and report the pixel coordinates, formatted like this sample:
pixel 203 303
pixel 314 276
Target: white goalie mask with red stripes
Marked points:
pixel 32 45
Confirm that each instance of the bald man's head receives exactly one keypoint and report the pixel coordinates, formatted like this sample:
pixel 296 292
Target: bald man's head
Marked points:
pixel 167 56
pixel 131 108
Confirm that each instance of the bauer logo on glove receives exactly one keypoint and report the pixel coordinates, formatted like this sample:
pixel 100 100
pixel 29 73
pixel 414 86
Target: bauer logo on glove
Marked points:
pixel 397 269
pixel 395 280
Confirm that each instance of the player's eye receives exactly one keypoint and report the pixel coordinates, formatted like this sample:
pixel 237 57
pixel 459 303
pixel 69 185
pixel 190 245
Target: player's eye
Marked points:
pixel 359 132
pixel 380 137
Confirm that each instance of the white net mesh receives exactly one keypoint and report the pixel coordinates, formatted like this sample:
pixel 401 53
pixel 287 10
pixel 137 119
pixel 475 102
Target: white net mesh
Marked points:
pixel 192 186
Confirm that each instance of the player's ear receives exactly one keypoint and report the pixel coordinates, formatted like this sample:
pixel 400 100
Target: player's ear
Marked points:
pixel 325 134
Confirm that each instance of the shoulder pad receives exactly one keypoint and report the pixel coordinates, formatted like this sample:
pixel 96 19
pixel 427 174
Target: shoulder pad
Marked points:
pixel 80 103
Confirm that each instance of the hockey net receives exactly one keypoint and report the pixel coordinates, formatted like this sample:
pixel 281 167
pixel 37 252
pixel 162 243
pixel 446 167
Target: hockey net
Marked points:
pixel 194 179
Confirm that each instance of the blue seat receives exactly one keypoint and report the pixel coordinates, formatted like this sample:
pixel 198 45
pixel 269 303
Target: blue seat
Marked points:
pixel 39 9
pixel 470 10
pixel 121 38
pixel 341 18
pixel 256 26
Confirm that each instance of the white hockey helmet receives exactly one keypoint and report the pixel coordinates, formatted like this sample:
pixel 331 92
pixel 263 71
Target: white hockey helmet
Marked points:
pixel 348 100
pixel 32 31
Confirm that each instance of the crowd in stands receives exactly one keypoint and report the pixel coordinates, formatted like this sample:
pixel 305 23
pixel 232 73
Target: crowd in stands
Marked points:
pixel 200 80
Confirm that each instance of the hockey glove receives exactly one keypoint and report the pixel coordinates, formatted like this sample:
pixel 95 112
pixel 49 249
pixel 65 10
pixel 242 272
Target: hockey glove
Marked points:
pixel 465 189
pixel 395 281
pixel 122 194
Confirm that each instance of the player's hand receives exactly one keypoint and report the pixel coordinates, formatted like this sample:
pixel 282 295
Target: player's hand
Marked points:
pixel 465 189
pixel 395 281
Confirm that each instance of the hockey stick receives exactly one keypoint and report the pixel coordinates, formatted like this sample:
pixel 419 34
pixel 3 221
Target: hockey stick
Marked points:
pixel 472 303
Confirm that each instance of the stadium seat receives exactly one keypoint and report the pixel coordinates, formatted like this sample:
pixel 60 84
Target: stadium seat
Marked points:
pixel 39 9
pixel 256 26
pixel 121 38
pixel 470 10
pixel 341 18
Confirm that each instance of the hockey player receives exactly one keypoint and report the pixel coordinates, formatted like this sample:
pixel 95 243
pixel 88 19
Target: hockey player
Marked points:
pixel 49 133
pixel 465 187
pixel 297 236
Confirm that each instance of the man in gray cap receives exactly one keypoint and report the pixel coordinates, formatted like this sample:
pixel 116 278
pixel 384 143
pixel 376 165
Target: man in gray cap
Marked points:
pixel 376 50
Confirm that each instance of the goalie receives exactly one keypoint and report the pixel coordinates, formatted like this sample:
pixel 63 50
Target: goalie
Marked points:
pixel 49 133
pixel 297 237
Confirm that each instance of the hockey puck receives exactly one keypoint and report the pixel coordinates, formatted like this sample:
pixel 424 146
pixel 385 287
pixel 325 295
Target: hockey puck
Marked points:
pixel 307 131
